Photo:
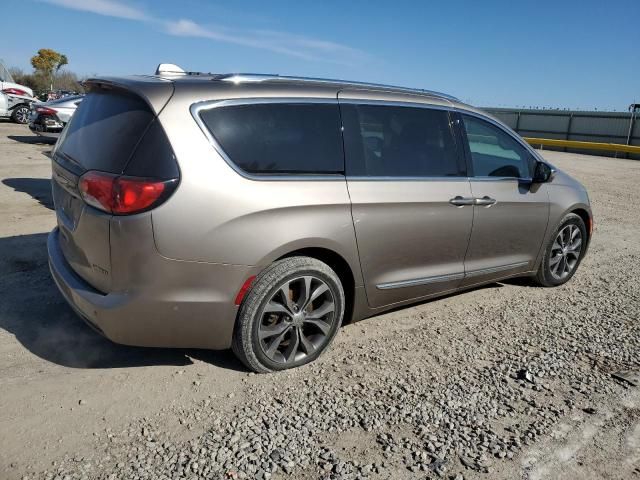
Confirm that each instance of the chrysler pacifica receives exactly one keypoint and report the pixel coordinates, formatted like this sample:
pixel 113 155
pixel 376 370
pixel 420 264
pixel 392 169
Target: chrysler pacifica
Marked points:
pixel 260 212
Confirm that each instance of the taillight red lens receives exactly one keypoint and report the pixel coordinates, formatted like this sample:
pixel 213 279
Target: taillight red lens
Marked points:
pixel 14 91
pixel 45 111
pixel 135 195
pixel 96 189
pixel 122 195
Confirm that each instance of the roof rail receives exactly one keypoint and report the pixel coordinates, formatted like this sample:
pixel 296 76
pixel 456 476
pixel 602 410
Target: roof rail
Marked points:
pixel 261 77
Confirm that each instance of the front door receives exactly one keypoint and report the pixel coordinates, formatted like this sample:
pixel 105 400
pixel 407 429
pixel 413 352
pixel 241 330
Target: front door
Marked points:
pixel 511 212
pixel 410 199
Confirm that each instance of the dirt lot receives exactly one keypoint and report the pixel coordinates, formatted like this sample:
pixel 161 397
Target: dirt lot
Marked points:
pixel 507 381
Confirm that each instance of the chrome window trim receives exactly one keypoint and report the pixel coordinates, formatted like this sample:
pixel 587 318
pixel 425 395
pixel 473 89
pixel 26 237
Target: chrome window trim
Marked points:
pixel 501 179
pixel 198 107
pixel 364 178
pixel 450 277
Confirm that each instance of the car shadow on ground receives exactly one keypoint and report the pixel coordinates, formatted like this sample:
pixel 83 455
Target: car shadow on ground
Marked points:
pixel 32 139
pixel 32 309
pixel 524 282
pixel 38 188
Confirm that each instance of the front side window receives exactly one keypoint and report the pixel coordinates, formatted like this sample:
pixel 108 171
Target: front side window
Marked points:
pixel 392 141
pixel 279 138
pixel 494 153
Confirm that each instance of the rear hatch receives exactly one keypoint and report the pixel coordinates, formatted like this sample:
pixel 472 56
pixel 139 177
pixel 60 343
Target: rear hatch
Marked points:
pixel 114 133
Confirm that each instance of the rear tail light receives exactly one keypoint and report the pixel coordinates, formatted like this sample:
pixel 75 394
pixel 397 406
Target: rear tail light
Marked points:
pixel 122 195
pixel 45 111
pixel 15 91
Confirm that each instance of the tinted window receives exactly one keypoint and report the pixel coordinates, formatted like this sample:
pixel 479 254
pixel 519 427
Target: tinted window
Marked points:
pixel 494 153
pixel 153 156
pixel 275 138
pixel 399 141
pixel 104 131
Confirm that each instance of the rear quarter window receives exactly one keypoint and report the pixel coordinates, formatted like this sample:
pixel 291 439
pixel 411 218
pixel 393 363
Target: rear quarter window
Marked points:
pixel 279 138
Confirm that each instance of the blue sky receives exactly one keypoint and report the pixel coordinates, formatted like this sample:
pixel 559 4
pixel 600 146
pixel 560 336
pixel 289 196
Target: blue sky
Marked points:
pixel 568 54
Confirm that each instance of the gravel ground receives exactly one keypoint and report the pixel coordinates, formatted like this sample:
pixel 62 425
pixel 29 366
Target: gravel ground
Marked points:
pixel 505 381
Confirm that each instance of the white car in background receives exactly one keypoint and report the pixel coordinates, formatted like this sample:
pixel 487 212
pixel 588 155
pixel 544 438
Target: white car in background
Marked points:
pixel 15 99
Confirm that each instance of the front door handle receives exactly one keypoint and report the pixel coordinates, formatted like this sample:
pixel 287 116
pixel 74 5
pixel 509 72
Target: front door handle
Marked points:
pixel 459 201
pixel 486 201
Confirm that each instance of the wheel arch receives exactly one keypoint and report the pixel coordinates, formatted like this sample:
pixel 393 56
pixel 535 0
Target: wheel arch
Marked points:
pixel 558 211
pixel 18 105
pixel 339 265
pixel 586 218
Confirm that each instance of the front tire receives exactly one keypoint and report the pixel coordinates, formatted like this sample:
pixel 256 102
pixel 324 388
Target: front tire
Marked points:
pixel 564 252
pixel 290 316
pixel 21 115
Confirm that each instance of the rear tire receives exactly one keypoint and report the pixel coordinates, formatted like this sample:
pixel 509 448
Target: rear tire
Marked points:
pixel 290 315
pixel 563 253
pixel 21 115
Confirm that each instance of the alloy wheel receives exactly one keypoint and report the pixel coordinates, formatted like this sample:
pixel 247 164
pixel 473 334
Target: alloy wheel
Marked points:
pixel 297 321
pixel 22 115
pixel 565 252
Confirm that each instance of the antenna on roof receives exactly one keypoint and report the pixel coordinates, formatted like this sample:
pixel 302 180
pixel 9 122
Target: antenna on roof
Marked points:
pixel 169 69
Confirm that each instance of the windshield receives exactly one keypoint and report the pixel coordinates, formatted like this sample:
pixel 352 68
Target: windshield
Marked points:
pixel 5 76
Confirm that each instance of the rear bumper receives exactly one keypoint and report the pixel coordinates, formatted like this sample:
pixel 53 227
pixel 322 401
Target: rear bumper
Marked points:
pixel 167 316
pixel 46 128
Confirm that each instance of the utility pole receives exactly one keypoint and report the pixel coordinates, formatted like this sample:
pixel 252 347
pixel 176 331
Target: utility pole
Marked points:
pixel 633 108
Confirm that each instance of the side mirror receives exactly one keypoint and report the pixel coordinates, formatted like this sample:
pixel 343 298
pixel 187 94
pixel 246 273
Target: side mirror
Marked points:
pixel 543 173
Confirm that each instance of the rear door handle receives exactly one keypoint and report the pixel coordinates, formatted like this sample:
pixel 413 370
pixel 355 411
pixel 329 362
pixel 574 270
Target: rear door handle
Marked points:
pixel 459 201
pixel 486 201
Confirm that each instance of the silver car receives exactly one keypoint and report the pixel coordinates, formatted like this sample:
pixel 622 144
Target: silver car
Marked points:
pixel 47 119
pixel 261 212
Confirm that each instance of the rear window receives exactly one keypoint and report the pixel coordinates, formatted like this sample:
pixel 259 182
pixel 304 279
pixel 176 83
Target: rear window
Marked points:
pixel 104 130
pixel 279 138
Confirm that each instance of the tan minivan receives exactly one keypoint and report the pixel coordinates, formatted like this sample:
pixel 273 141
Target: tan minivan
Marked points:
pixel 260 212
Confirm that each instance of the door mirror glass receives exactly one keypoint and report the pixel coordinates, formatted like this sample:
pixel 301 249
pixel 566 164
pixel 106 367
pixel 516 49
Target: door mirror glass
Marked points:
pixel 543 173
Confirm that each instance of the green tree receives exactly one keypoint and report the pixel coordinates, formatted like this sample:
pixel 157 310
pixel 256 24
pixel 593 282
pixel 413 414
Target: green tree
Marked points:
pixel 48 62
